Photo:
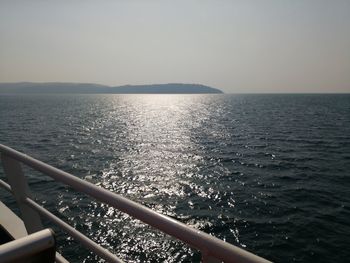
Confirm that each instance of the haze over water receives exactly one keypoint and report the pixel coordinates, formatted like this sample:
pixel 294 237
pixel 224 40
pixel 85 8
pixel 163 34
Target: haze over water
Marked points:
pixel 269 173
pixel 237 46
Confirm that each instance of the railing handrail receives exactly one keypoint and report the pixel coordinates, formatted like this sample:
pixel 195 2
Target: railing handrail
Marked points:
pixel 210 246
pixel 87 242
pixel 20 249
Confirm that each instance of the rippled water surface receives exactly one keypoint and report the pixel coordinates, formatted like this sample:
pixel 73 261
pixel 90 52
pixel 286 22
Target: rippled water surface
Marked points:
pixel 269 173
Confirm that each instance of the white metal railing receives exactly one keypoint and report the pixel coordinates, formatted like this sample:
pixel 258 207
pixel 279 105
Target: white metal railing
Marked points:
pixel 30 246
pixel 211 248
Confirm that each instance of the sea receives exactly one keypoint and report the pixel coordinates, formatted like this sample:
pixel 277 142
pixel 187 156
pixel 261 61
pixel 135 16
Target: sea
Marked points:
pixel 268 173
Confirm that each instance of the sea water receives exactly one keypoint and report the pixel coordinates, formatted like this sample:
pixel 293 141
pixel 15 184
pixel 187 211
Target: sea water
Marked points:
pixel 268 173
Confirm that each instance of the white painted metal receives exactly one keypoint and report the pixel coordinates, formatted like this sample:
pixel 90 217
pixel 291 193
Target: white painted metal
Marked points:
pixel 20 190
pixel 210 247
pixel 6 186
pixel 16 227
pixel 11 222
pixel 105 254
pixel 26 246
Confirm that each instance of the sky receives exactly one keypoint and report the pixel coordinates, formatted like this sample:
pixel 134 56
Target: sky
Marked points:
pixel 237 46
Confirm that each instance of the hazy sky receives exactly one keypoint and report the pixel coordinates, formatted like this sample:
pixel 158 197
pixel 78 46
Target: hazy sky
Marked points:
pixel 237 46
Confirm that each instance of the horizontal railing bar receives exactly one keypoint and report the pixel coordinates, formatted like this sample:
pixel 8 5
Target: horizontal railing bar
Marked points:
pixel 28 246
pixel 59 257
pixel 5 186
pixel 104 253
pixel 207 244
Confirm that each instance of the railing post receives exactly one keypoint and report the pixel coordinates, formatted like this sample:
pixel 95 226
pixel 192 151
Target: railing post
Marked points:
pixel 20 189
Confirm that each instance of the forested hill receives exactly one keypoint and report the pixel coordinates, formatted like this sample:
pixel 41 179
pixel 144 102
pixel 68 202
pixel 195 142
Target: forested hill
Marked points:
pixel 85 88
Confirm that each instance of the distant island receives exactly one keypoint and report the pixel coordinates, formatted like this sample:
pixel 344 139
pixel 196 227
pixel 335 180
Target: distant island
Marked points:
pixel 89 88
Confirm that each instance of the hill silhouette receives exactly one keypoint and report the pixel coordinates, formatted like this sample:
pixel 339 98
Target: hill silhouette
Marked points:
pixel 90 88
